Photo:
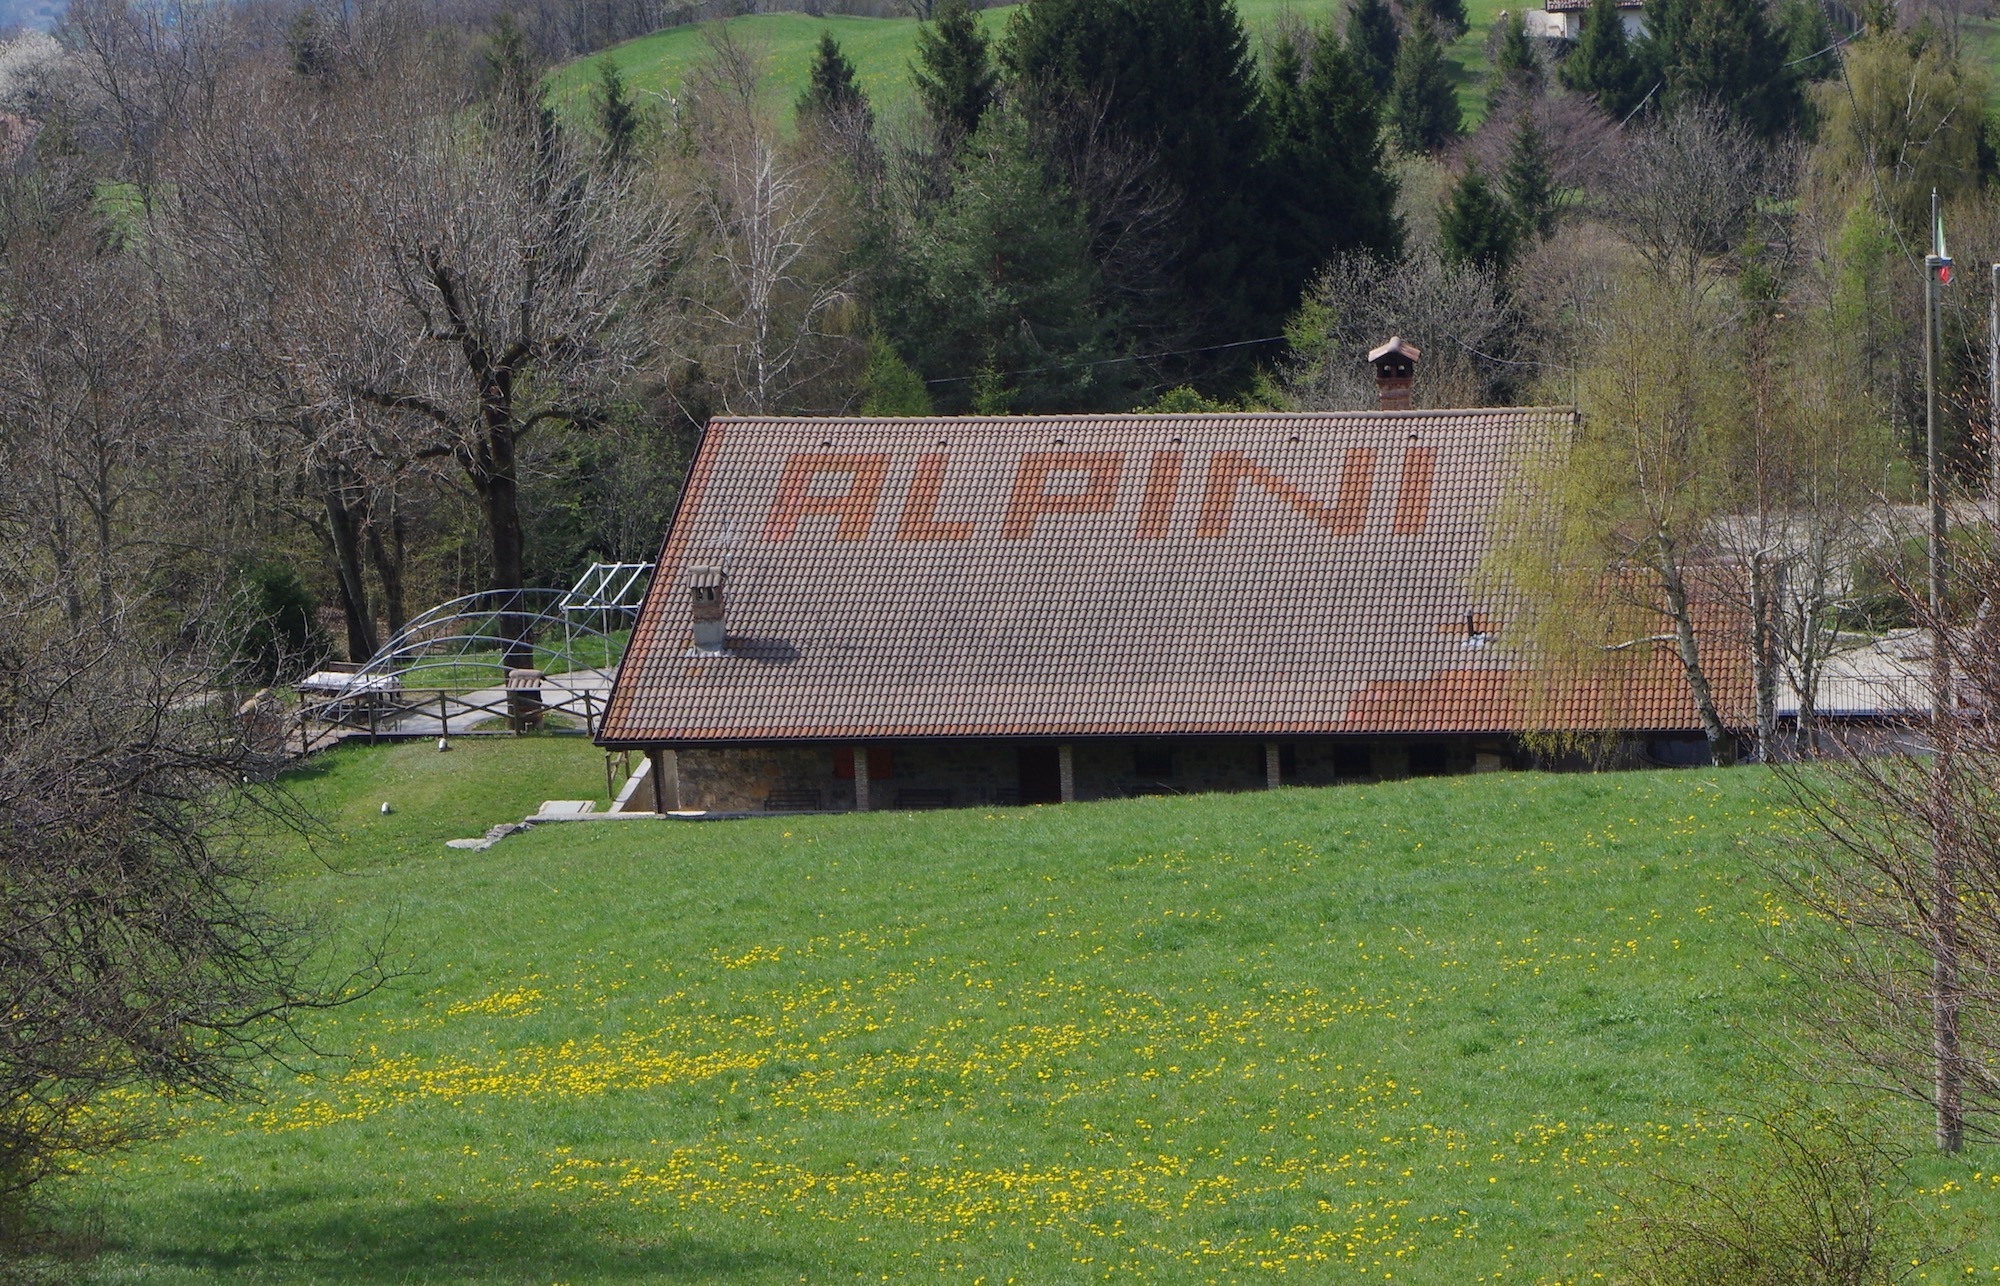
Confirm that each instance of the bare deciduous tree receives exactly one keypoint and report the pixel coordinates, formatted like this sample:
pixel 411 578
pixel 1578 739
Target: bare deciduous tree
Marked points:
pixel 768 299
pixel 1133 213
pixel 404 278
pixel 516 273
pixel 1457 314
pixel 88 419
pixel 135 948
pixel 274 266
pixel 1902 890
pixel 1684 199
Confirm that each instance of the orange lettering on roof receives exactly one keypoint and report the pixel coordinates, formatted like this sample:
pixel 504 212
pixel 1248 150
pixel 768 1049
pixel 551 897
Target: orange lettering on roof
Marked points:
pixel 1229 470
pixel 855 506
pixel 1033 498
pixel 920 507
pixel 1413 497
pixel 1156 511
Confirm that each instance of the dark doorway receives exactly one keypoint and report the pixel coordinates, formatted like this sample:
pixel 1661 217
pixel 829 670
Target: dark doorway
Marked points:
pixel 1041 775
pixel 1153 761
pixel 1428 759
pixel 1353 759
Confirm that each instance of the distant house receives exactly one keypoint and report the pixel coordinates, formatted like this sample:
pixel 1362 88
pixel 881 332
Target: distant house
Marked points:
pixel 1563 19
pixel 854 613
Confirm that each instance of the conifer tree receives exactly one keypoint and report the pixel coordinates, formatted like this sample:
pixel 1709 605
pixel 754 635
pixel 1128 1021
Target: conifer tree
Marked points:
pixel 1475 226
pixel 1529 181
pixel 1602 64
pixel 1000 281
pixel 834 95
pixel 1807 36
pixel 1422 103
pixel 890 387
pixel 307 45
pixel 1372 42
pixel 511 80
pixel 617 117
pixel 1722 52
pixel 954 72
pixel 1330 188
pixel 1515 66
pixel 1176 78
pixel 1448 16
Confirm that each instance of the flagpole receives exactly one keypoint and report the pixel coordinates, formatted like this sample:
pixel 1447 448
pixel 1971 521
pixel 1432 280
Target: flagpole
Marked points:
pixel 1946 989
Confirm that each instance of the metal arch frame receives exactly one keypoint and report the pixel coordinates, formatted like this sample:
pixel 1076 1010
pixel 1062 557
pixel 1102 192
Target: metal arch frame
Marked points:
pixel 465 631
pixel 455 655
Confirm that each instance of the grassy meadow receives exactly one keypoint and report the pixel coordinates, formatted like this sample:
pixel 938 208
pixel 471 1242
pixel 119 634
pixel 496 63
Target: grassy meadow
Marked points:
pixel 882 50
pixel 1416 1032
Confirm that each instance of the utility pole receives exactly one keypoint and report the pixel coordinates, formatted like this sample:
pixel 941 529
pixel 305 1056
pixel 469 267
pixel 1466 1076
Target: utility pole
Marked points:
pixel 1946 989
pixel 1993 395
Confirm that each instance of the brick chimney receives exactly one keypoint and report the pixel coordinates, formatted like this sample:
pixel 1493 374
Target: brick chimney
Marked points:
pixel 1395 368
pixel 705 600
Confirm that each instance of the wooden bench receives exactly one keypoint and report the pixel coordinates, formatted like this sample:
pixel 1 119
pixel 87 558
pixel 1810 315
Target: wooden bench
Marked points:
pixel 794 799
pixel 920 797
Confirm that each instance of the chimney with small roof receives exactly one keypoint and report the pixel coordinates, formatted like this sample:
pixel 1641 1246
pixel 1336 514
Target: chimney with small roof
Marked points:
pixel 706 604
pixel 1395 369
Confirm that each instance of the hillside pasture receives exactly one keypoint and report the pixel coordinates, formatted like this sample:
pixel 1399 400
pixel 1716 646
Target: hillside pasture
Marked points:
pixel 656 66
pixel 1422 1031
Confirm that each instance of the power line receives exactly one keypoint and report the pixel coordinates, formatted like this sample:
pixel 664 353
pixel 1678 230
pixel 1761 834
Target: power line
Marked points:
pixel 1110 361
pixel 1829 49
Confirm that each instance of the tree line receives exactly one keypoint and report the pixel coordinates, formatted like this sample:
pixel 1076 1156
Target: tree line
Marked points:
pixel 407 327
pixel 417 332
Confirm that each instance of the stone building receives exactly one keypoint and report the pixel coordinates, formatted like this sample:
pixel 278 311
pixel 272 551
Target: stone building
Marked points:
pixel 898 613
pixel 1563 19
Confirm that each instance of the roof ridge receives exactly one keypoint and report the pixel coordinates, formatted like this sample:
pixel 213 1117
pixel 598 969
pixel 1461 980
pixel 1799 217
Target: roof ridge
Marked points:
pixel 1144 417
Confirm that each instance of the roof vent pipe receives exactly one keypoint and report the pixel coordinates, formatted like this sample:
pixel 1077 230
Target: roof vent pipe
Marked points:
pixel 706 603
pixel 1395 366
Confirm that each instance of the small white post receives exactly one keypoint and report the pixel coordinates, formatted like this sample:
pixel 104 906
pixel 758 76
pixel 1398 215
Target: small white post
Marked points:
pixel 1066 762
pixel 861 779
pixel 1272 776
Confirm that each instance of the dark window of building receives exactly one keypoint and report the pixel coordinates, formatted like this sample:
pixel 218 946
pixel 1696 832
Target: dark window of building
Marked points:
pixel 1351 759
pixel 881 765
pixel 1288 760
pixel 1427 759
pixel 1153 762
pixel 1041 775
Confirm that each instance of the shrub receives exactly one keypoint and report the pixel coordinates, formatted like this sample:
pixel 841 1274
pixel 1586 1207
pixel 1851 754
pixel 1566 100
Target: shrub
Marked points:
pixel 277 634
pixel 1816 1200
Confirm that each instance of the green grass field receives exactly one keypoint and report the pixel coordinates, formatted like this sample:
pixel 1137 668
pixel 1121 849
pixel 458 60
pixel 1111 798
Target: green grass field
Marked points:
pixel 1417 1032
pixel 883 48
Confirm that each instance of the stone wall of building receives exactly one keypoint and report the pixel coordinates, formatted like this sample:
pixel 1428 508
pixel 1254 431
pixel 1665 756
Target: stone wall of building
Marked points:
pixel 954 774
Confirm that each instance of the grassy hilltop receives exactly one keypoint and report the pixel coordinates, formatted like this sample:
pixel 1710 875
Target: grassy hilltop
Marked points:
pixel 883 48
pixel 1416 1032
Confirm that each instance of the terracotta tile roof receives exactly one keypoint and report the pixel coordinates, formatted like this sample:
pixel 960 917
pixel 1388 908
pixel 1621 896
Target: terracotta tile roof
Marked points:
pixel 1118 575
